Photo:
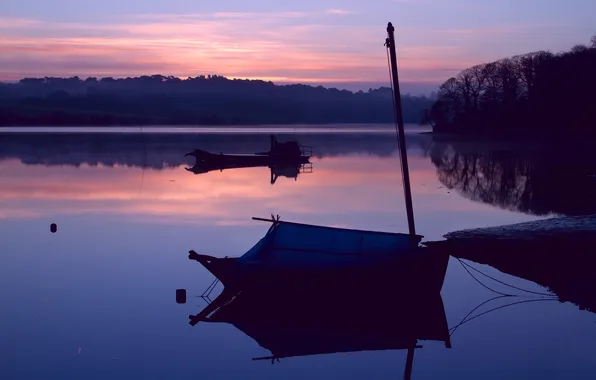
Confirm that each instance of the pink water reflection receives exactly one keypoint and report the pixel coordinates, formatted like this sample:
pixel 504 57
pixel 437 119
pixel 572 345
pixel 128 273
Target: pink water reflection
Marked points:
pixel 352 191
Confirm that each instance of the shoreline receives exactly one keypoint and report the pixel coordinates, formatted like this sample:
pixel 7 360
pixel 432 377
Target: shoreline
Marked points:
pixel 191 129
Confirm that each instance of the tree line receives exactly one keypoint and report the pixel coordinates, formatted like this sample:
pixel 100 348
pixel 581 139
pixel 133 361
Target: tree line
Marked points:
pixel 201 100
pixel 540 93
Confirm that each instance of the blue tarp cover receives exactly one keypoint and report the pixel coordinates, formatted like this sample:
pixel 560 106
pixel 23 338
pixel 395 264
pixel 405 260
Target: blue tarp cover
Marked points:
pixel 293 243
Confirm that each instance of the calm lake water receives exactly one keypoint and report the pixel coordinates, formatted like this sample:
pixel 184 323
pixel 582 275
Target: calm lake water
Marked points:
pixel 96 299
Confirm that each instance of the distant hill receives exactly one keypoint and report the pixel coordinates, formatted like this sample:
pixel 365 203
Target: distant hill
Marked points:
pixel 203 100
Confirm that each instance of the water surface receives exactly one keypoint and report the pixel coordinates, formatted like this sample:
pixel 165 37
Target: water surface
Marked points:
pixel 96 299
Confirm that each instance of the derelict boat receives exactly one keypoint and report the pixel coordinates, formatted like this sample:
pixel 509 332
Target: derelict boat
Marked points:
pixel 288 153
pixel 292 254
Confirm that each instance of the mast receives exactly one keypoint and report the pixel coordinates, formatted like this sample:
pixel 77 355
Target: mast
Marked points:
pixel 390 43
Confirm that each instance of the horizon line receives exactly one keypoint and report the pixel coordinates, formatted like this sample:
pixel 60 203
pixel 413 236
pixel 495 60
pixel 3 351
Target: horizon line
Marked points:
pixel 364 85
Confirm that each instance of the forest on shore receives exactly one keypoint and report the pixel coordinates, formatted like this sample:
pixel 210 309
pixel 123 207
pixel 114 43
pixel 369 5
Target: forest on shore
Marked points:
pixel 536 94
pixel 539 93
pixel 202 100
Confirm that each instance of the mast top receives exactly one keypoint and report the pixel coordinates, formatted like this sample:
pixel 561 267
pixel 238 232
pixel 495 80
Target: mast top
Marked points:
pixel 390 28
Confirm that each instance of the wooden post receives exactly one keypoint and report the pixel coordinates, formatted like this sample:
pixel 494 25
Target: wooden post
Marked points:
pixel 390 42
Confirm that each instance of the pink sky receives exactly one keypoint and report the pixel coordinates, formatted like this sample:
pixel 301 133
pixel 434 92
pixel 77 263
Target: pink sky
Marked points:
pixel 314 45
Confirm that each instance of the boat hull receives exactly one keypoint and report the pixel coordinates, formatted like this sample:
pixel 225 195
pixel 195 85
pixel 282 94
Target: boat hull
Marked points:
pixel 291 253
pixel 424 271
pixel 243 160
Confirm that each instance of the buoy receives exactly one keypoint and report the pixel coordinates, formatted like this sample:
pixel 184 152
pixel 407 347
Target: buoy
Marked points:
pixel 180 295
pixel 53 227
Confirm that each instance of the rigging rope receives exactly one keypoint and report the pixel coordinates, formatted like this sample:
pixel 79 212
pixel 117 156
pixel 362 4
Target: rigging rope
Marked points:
pixel 478 281
pixel 501 282
pixel 473 310
pixel 467 318
pixel 500 307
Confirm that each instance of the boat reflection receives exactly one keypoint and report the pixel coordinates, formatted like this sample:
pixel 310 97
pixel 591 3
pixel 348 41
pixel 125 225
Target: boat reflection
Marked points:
pixel 344 317
pixel 277 170
pixel 528 179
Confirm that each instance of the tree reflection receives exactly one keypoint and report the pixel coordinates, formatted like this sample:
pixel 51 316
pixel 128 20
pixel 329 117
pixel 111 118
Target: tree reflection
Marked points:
pixel 535 181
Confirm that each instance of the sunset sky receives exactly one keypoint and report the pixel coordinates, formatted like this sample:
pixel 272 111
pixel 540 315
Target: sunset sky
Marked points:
pixel 324 42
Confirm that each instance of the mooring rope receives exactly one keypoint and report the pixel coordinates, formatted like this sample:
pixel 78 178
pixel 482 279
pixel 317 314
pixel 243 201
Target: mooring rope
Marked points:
pixel 503 283
pixel 473 310
pixel 467 318
pixel 464 321
pixel 480 282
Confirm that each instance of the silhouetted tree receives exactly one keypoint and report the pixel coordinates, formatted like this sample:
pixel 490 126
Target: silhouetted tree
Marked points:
pixel 533 93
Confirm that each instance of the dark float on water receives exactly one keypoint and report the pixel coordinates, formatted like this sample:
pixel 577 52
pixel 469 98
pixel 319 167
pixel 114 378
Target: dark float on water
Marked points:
pixel 180 296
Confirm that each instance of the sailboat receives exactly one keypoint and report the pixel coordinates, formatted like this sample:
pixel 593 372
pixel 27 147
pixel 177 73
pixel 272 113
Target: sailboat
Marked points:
pixel 288 248
pixel 289 291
